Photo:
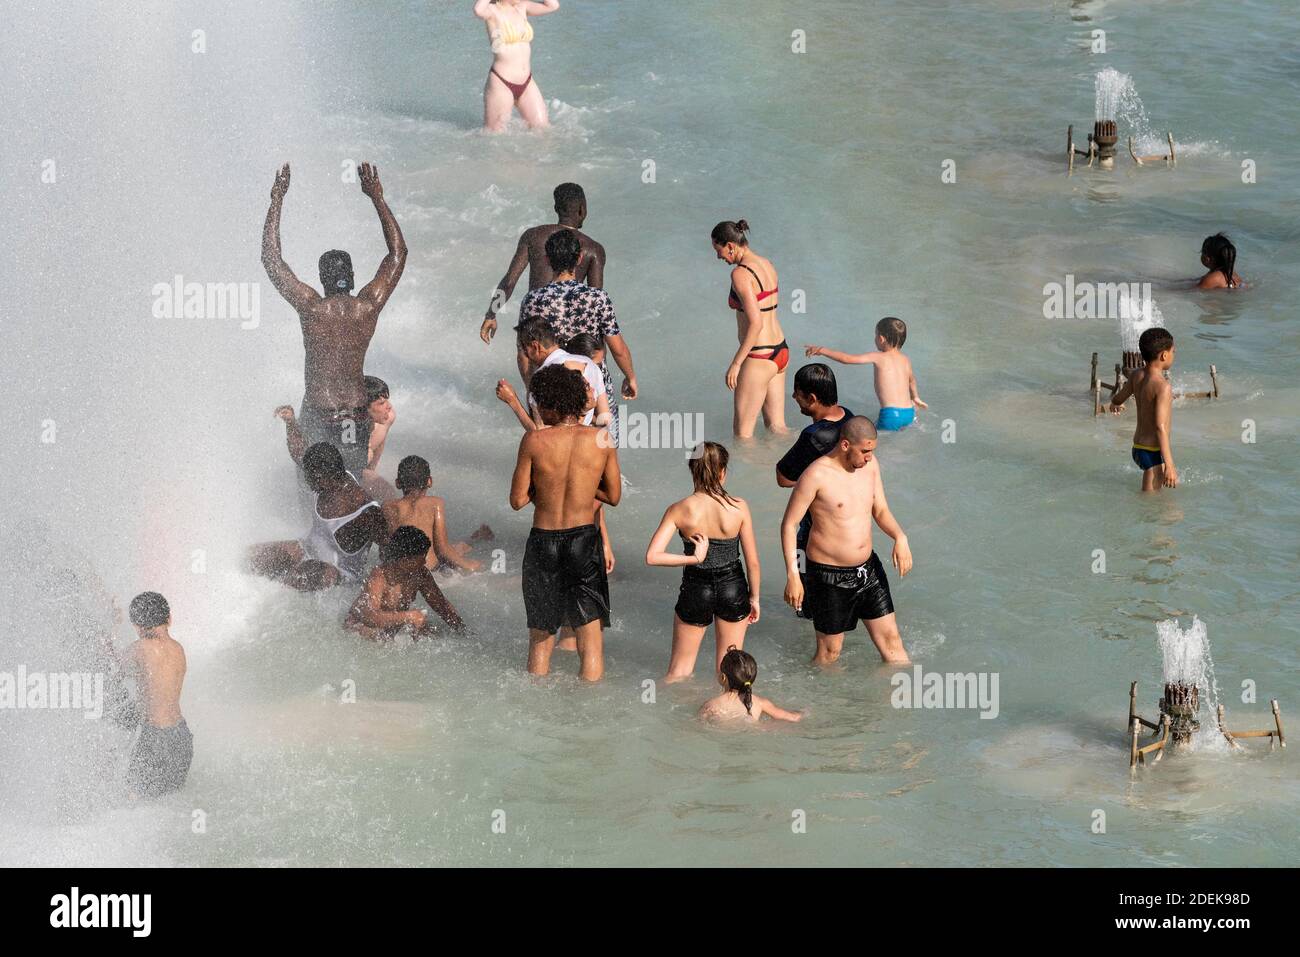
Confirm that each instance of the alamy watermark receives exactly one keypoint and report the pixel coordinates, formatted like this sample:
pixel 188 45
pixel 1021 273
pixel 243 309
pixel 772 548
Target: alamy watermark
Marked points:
pixel 179 299
pixel 83 691
pixel 946 690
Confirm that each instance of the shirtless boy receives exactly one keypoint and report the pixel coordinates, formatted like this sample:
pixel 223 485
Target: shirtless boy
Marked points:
pixel 1155 404
pixel 428 513
pixel 562 469
pixel 384 606
pixel 165 747
pixel 336 327
pixel 571 208
pixel 895 381
pixel 843 492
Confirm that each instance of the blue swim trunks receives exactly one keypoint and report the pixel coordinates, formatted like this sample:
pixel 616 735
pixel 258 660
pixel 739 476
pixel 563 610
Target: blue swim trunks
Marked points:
pixel 892 418
pixel 1146 457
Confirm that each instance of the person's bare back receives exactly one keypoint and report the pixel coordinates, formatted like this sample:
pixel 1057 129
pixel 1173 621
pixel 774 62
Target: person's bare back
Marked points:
pixel 591 264
pixel 336 327
pixel 160 664
pixel 565 468
pixel 894 379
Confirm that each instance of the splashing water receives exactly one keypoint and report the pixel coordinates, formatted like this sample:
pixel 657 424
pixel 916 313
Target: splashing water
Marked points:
pixel 1116 99
pixel 1186 661
pixel 1136 316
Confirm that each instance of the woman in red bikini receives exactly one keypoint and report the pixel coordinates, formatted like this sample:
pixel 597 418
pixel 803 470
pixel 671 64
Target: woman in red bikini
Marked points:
pixel 757 373
pixel 510 82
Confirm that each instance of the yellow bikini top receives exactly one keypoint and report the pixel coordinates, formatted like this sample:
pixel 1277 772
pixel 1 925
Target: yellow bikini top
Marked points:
pixel 507 32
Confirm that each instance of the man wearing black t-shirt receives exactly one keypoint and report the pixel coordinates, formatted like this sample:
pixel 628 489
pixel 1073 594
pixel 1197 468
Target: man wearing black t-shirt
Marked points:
pixel 817 396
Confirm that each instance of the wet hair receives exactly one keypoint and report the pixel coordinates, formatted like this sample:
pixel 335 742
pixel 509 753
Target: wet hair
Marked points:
pixel 407 542
pixel 1218 249
pixel 893 331
pixel 739 669
pixel 376 388
pixel 336 272
pixel 818 381
pixel 534 331
pixel 857 428
pixel 563 250
pixel 569 199
pixel 412 474
pixel 1153 342
pixel 560 390
pixel 322 460
pixel 149 610
pixel 707 463
pixel 729 232
pixel 584 344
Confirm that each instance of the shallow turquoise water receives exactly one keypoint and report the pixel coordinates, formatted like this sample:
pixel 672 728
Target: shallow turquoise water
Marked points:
pixel 834 156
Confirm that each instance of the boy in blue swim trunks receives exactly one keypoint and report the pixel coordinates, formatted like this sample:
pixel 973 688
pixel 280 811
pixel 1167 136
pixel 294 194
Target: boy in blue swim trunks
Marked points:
pixel 1155 402
pixel 895 382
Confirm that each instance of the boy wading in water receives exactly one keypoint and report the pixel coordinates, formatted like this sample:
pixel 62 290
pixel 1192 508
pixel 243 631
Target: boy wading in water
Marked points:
pixel 165 747
pixel 843 492
pixel 1155 410
pixel 562 469
pixel 895 381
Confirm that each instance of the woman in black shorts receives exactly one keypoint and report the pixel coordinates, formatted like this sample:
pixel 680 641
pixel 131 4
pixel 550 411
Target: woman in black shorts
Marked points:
pixel 714 528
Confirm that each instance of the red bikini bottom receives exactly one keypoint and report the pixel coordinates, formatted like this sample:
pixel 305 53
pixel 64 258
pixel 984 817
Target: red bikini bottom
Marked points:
pixel 517 89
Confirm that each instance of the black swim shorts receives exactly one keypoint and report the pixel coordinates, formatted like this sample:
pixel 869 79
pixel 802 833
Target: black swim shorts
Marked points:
pixel 564 578
pixel 836 596
pixel 709 592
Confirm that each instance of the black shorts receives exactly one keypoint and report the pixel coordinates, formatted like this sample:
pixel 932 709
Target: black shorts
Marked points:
pixel 837 596
pixel 348 430
pixel 564 578
pixel 707 593
pixel 161 759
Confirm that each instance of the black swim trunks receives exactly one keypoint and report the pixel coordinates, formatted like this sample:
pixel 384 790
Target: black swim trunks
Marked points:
pixel 564 578
pixel 161 759
pixel 837 596
pixel 348 430
pixel 709 592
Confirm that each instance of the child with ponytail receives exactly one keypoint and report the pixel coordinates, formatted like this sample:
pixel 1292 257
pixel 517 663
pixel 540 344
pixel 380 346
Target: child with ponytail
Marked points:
pixel 736 675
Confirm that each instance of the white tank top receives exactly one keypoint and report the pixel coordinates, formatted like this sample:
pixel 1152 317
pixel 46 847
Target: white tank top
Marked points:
pixel 321 544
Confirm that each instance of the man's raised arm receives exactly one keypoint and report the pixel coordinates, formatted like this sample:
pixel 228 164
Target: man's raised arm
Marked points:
pixel 390 270
pixel 294 290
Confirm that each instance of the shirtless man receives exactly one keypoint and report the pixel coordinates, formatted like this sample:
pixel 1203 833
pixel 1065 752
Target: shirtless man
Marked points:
pixel 161 758
pixel 336 327
pixel 384 606
pixel 345 523
pixel 428 513
pixel 571 208
pixel 562 469
pixel 843 492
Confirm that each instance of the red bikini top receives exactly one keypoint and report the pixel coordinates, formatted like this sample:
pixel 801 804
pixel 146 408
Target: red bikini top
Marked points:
pixel 733 301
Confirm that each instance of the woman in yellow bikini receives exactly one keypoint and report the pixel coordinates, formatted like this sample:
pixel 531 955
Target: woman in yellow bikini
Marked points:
pixel 510 82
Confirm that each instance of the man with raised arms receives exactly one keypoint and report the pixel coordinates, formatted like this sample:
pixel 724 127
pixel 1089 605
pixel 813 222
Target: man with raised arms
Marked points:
pixel 336 327
pixel 562 469
pixel 843 492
